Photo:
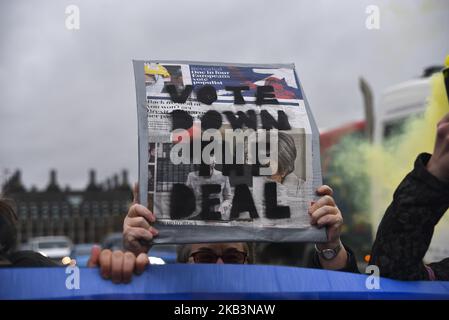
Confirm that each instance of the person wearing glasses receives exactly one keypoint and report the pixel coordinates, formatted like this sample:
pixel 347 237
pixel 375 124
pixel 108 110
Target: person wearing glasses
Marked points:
pixel 232 253
pixel 138 233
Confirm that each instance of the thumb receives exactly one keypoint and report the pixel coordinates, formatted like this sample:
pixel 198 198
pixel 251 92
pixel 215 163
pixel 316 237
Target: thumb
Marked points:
pixel 94 257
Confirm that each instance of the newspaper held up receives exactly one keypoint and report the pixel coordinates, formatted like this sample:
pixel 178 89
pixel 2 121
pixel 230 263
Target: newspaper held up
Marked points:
pixel 227 152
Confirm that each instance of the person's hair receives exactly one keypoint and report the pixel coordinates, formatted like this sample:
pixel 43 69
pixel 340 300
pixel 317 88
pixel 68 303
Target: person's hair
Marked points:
pixel 8 229
pixel 183 252
pixel 286 154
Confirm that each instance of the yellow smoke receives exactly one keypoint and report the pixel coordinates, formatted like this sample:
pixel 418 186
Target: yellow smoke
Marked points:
pixel 388 164
pixel 377 170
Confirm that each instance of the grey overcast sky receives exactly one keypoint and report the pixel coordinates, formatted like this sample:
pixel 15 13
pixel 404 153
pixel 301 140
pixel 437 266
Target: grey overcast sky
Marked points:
pixel 68 97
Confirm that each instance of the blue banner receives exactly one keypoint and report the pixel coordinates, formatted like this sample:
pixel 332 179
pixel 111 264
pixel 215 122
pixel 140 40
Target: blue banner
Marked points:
pixel 180 281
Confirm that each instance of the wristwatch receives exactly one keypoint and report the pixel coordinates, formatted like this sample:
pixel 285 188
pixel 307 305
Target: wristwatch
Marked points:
pixel 328 254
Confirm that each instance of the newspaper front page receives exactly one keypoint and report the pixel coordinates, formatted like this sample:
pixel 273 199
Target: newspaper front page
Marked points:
pixel 227 152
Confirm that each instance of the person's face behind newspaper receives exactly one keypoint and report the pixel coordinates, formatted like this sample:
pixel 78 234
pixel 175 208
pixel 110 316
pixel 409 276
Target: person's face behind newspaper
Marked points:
pixel 232 253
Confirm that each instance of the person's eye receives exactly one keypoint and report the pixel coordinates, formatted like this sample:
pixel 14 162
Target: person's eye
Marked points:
pixel 205 256
pixel 232 257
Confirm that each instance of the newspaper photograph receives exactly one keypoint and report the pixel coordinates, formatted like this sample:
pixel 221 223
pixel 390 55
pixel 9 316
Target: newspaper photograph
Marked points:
pixel 227 152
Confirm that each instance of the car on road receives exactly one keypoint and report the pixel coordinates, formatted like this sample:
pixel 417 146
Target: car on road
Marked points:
pixel 53 247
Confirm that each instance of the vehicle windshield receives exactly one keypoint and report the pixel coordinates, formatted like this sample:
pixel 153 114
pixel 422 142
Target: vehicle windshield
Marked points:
pixel 397 127
pixel 393 128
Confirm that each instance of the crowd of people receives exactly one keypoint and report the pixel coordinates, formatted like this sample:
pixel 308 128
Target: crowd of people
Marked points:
pixel 402 239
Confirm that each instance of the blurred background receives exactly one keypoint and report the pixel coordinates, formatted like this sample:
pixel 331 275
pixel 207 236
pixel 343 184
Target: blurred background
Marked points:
pixel 68 126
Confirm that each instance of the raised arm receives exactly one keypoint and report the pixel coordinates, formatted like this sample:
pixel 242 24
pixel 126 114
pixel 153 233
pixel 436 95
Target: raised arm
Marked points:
pixel 406 230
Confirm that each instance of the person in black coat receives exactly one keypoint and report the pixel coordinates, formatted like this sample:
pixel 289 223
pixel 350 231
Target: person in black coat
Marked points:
pixel 419 202
pixel 9 257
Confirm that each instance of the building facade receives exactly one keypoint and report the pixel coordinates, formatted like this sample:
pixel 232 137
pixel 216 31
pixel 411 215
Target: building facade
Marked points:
pixel 85 216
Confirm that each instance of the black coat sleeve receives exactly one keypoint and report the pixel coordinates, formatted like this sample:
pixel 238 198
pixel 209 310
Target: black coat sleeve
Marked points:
pixel 30 259
pixel 407 227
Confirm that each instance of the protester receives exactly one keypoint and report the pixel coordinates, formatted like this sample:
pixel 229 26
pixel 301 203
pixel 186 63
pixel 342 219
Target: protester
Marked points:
pixel 233 253
pixel 8 240
pixel 104 259
pixel 419 202
pixel 138 234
